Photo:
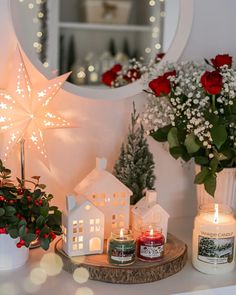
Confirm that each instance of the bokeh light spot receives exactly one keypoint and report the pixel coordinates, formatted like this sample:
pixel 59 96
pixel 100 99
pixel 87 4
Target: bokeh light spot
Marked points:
pixel 84 291
pixel 81 275
pixel 52 264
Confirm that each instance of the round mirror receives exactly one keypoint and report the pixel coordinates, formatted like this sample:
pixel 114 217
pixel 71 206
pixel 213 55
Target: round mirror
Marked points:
pixel 88 37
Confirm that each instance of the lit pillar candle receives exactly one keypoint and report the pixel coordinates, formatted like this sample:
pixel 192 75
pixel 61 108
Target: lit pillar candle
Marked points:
pixel 150 244
pixel 213 239
pixel 121 248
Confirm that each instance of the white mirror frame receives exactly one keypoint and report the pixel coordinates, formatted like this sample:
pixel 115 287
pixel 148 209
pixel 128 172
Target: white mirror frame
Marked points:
pixel 173 54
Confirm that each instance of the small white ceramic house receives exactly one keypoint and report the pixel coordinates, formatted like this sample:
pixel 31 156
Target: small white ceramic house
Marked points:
pixel 107 193
pixel 83 228
pixel 147 212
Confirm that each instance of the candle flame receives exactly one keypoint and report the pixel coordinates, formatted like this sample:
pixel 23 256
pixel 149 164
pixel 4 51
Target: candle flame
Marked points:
pixel 122 233
pixel 151 232
pixel 216 213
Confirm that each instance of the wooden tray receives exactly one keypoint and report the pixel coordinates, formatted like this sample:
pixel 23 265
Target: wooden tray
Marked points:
pixel 137 273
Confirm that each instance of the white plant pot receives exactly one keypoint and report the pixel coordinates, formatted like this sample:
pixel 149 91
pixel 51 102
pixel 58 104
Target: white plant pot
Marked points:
pixel 225 189
pixel 11 257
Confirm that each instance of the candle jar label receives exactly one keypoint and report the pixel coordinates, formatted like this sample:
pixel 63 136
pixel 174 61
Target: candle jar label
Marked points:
pixel 215 250
pixel 151 251
pixel 122 254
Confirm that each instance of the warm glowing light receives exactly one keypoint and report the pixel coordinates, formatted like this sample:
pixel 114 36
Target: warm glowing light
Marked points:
pixel 52 264
pixel 152 19
pixel 87 207
pixel 148 50
pixel 31 5
pixel 24 110
pixel 216 213
pixel 151 232
pixel 158 46
pixel 91 68
pixel 30 287
pixel 152 2
pixel 122 233
pixel 38 276
pixel 81 275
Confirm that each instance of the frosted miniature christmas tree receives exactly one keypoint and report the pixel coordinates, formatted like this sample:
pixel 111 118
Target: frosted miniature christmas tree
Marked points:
pixel 135 165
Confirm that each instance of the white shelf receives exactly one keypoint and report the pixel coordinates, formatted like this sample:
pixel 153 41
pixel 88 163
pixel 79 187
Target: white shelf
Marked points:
pixel 104 27
pixel 187 280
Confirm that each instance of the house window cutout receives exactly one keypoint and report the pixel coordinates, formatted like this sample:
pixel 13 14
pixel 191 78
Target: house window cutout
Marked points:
pixel 91 221
pixel 81 246
pixel 97 228
pixel 97 221
pixel 92 229
pixel 75 239
pixel 74 247
pixel 81 226
pixel 123 202
pixel 81 238
pixel 95 244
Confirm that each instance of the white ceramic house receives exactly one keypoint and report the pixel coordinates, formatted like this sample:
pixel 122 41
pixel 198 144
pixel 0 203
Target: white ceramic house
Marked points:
pixel 147 212
pixel 107 193
pixel 83 228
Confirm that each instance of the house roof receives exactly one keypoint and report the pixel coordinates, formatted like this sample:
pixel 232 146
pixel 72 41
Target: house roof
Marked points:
pixel 82 203
pixel 143 209
pixel 101 181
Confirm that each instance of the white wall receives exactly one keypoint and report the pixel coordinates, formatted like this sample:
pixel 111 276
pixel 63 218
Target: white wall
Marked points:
pixel 103 124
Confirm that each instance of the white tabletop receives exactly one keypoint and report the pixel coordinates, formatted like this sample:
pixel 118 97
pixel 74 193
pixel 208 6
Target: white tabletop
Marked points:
pixel 187 280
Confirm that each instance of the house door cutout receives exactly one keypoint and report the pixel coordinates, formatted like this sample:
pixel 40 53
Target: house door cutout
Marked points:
pixel 95 244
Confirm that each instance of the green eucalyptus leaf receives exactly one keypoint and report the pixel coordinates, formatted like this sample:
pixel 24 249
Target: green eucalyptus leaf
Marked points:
pixel 191 144
pixel 210 184
pixel 161 134
pixel 173 137
pixel 202 175
pixel 214 164
pixel 201 160
pixel 219 135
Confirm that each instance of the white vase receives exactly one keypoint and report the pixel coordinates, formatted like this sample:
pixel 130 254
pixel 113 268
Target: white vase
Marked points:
pixel 11 257
pixel 225 189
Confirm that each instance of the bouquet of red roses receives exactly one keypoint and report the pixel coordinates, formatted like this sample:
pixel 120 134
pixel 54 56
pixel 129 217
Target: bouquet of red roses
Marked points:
pixel 193 107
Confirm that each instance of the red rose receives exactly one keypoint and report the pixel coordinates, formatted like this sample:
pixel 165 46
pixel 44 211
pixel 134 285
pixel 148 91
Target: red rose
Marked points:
pixel 159 56
pixel 116 68
pixel 212 82
pixel 221 60
pixel 169 74
pixel 160 86
pixel 108 78
pixel 132 75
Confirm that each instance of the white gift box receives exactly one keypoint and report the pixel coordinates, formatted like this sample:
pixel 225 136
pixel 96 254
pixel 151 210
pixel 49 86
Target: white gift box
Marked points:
pixel 111 11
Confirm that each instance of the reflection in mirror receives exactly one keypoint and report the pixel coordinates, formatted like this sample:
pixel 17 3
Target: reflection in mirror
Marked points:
pixel 89 37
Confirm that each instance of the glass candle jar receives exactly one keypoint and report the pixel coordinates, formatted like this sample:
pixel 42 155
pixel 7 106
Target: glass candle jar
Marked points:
pixel 213 239
pixel 150 244
pixel 121 247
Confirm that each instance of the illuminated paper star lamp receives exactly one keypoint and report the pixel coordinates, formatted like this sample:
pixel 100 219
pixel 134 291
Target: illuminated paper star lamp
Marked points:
pixel 25 109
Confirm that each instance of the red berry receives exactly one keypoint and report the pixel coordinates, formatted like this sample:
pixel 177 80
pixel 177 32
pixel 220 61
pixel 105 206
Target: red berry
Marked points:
pixel 18 245
pixel 46 236
pixel 38 231
pixel 36 203
pixel 2 198
pixel 29 198
pixel 20 191
pixel 53 236
pixel 11 202
pixel 41 202
pixel 3 230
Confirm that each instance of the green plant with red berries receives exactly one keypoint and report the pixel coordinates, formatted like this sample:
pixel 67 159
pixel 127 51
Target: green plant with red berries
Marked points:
pixel 26 213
